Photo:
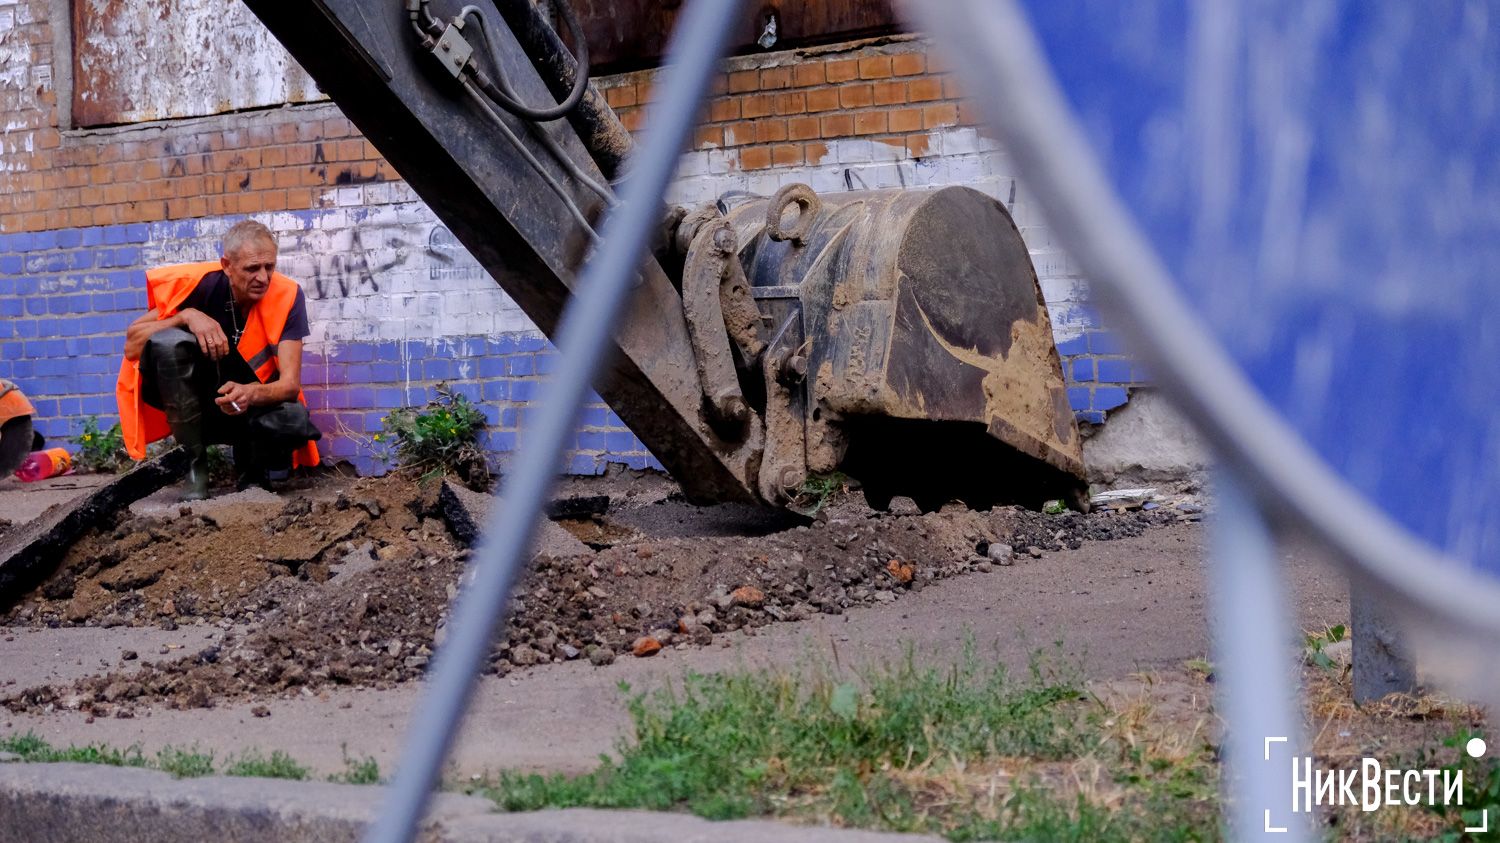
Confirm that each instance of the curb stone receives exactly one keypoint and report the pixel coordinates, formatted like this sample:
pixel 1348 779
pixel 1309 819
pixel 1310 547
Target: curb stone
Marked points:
pixel 90 803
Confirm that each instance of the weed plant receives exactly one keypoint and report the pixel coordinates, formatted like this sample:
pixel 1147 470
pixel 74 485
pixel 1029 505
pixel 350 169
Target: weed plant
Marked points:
pixel 818 491
pixel 439 438
pixel 357 770
pixel 1313 644
pixel 100 451
pixel 32 748
pixel 180 762
pixel 185 763
pixel 278 765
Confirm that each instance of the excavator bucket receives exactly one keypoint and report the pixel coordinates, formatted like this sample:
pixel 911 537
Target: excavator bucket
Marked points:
pixel 932 371
pixel 896 336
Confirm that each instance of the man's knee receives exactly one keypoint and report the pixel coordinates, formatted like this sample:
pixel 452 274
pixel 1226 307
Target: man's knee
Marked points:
pixel 169 370
pixel 287 423
pixel 171 353
pixel 171 344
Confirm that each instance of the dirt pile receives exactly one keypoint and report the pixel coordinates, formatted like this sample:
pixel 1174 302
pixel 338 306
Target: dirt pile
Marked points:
pixel 1069 530
pixel 355 590
pixel 191 566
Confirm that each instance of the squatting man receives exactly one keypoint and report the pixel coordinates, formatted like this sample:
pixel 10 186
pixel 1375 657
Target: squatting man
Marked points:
pixel 217 359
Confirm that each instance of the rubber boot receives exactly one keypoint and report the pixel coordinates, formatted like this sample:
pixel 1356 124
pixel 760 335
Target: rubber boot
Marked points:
pixel 174 362
pixel 197 478
pixel 276 433
pixel 189 434
pixel 261 463
pixel 249 469
pixel 276 459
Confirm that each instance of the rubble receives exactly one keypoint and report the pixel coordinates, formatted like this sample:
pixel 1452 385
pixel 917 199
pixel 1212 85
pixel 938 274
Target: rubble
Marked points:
pixel 1001 554
pixel 1124 499
pixel 363 600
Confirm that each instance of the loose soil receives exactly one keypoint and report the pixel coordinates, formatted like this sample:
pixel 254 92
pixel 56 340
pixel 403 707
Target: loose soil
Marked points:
pixel 350 583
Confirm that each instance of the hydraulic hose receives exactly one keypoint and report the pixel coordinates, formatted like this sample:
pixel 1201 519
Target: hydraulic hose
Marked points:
pixel 502 93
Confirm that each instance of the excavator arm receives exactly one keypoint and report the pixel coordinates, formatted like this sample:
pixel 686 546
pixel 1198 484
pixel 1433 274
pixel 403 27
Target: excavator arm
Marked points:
pixel 897 336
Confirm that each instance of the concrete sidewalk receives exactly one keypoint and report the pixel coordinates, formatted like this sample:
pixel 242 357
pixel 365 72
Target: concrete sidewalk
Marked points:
pixel 70 803
pixel 21 502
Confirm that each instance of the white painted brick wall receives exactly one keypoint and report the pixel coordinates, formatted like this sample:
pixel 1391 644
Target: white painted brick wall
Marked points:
pixel 377 264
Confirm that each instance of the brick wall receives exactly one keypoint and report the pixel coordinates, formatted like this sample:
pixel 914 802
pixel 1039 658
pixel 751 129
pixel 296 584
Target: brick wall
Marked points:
pixel 397 305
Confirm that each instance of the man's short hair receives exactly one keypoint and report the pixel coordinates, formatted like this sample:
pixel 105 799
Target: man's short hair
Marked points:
pixel 243 233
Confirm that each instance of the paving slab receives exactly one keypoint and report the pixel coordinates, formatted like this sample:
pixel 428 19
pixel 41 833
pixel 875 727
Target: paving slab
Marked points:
pixel 30 551
pixel 21 502
pixel 466 512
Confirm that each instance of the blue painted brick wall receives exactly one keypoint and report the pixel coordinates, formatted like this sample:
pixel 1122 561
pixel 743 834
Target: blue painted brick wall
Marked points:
pixel 64 319
pixel 66 297
pixel 1098 372
pixel 503 377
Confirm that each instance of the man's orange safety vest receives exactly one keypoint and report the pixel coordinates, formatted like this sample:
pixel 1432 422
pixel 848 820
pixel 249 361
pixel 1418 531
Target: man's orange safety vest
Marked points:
pixel 166 288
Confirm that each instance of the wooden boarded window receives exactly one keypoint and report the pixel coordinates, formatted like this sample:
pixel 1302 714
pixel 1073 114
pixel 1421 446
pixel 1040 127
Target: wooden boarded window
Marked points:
pixel 632 34
pixel 140 60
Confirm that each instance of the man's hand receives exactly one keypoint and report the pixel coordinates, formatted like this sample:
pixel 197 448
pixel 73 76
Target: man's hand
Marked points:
pixel 210 335
pixel 235 398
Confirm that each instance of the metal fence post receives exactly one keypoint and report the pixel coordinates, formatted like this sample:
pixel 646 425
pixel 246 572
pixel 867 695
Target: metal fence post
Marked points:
pixel 697 43
pixel 1257 692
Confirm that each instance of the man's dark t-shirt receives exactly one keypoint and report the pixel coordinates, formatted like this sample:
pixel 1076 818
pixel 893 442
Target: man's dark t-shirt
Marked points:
pixel 212 296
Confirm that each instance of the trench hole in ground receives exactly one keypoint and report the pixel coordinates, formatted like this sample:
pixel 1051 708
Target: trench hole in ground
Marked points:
pixel 596 532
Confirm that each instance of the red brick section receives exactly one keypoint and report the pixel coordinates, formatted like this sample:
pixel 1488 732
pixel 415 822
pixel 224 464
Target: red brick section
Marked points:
pixel 100 179
pixel 781 109
pixel 286 159
pixel 775 110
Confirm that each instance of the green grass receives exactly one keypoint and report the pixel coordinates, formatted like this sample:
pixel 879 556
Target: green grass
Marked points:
pixel 968 752
pixel 817 490
pixel 1481 792
pixel 32 748
pixel 278 765
pixel 357 770
pixel 185 763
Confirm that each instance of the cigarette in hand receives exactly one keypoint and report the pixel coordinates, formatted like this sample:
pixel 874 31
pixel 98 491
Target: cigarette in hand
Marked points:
pixel 236 406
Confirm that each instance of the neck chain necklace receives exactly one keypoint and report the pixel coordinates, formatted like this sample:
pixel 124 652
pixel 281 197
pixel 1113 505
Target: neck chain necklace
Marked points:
pixel 234 319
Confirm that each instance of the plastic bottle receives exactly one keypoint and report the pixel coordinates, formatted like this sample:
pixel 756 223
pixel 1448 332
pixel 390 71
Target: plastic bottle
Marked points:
pixel 40 465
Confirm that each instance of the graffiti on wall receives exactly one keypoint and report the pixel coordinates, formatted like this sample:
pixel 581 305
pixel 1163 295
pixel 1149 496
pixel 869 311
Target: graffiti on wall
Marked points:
pixel 368 259
pixel 353 268
pixel 389 271
pixel 450 259
pixel 396 272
